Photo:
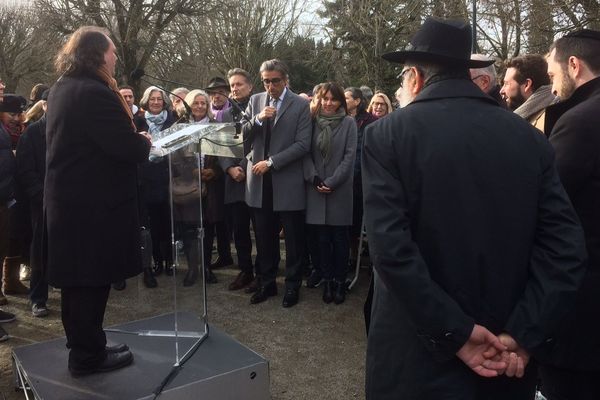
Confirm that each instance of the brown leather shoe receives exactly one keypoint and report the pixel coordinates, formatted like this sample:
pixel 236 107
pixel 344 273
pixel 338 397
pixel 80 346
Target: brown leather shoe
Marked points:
pixel 252 287
pixel 241 281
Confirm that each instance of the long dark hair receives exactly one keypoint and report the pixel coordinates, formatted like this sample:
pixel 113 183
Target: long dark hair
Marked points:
pixel 336 91
pixel 84 51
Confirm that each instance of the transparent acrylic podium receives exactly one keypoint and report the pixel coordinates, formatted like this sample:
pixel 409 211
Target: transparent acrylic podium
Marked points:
pixel 189 149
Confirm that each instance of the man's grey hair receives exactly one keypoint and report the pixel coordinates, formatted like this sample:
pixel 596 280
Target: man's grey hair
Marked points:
pixel 490 70
pixel 239 71
pixel 275 65
pixel 434 72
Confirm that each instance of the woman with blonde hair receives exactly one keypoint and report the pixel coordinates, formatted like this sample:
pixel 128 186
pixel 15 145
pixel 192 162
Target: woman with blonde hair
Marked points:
pixel 380 105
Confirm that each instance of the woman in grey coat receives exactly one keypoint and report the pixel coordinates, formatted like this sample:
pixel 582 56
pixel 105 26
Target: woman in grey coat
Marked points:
pixel 329 172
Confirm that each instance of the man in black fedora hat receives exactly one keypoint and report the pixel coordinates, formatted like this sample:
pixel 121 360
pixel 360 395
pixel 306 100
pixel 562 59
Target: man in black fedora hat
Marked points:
pixel 218 90
pixel 477 250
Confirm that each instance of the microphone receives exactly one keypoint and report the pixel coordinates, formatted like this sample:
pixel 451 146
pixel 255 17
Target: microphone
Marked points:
pixel 237 106
pixel 138 74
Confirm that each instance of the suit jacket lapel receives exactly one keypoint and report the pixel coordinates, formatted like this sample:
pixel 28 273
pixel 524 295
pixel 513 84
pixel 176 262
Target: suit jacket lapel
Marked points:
pixel 287 100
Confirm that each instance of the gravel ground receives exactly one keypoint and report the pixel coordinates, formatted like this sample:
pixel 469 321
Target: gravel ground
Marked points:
pixel 315 350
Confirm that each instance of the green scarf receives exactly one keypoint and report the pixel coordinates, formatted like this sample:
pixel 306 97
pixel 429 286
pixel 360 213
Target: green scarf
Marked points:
pixel 327 124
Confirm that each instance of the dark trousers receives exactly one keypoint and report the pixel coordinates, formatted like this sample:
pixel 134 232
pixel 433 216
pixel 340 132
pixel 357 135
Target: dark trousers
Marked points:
pixel 38 293
pixel 312 247
pixel 268 223
pixel 334 245
pixel 223 240
pixel 159 221
pixel 239 221
pixel 561 384
pixel 82 316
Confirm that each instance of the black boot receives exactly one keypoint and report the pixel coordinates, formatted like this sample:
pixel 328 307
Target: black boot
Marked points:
pixel 149 279
pixel 328 291
pixel 340 292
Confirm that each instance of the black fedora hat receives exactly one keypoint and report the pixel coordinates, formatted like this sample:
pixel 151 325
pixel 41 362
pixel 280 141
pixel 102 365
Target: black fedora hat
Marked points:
pixel 217 83
pixel 445 42
pixel 13 103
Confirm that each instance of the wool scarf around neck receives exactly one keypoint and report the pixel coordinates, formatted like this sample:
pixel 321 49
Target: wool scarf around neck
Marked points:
pixel 155 121
pixel 326 125
pixel 218 114
pixel 112 84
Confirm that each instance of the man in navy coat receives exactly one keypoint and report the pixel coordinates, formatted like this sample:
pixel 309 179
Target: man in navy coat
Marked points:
pixel 477 250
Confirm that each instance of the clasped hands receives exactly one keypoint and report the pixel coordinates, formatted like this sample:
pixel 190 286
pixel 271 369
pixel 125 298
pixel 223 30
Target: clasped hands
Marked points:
pixel 489 355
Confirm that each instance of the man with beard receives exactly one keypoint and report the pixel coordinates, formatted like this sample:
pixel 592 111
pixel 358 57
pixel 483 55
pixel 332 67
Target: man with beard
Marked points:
pixel 526 88
pixel 573 125
pixel 469 278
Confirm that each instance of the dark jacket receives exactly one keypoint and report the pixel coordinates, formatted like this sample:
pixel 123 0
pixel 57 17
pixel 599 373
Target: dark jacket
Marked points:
pixel 467 223
pixel 235 192
pixel 154 175
pixel 90 198
pixel 574 128
pixel 7 167
pixel 362 121
pixel 31 161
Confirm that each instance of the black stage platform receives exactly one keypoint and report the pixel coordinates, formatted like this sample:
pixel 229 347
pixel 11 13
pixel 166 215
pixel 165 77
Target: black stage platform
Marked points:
pixel 221 368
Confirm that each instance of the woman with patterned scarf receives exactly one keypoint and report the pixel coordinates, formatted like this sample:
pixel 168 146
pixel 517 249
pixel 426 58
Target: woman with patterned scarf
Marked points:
pixel 328 170
pixel 154 183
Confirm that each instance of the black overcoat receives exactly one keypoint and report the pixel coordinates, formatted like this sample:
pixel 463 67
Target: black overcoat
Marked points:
pixel 467 223
pixel 574 127
pixel 90 198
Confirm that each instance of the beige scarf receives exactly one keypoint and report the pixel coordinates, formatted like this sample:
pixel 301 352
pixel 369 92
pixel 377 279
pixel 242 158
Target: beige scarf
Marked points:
pixel 112 84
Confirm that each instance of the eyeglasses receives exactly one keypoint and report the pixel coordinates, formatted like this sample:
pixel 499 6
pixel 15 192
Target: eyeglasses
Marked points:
pixel 401 75
pixel 274 81
pixel 477 77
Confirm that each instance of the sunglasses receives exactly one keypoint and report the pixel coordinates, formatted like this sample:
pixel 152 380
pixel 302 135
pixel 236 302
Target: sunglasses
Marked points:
pixel 274 81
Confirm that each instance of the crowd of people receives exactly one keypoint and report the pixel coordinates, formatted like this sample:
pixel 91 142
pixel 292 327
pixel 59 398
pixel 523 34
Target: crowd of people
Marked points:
pixel 478 250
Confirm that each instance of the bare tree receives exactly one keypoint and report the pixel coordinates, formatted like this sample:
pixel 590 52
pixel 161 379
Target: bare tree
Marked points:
pixel 135 25
pixel 25 46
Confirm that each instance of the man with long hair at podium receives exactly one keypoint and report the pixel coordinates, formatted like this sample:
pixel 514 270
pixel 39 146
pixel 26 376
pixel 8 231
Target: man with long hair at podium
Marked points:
pixel 90 199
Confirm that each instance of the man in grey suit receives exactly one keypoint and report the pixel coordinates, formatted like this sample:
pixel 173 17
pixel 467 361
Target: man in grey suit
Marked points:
pixel 279 133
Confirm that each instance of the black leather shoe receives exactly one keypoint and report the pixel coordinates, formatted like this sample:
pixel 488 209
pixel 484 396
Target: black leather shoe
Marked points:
pixel 158 268
pixel 121 285
pixel 169 269
pixel 340 292
pixel 210 277
pixel 111 362
pixel 241 281
pixel 117 348
pixel 263 293
pixel 190 277
pixel 328 292
pixel 290 298
pixel 252 287
pixel 149 279
pixel 315 279
pixel 221 263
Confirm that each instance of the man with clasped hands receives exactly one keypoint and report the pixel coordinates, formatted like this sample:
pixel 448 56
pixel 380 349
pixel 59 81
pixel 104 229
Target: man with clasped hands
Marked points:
pixel 477 250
